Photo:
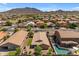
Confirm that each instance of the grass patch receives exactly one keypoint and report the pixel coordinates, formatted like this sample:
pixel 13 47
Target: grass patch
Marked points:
pixel 13 21
pixel 12 53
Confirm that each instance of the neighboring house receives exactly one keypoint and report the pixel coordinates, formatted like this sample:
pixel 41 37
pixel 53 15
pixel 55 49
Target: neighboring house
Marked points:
pixel 21 25
pixel 30 23
pixel 41 39
pixel 39 23
pixel 46 19
pixel 14 25
pixel 7 27
pixel 73 21
pixel 2 36
pixel 67 37
pixel 62 23
pixel 66 19
pixel 2 22
pixel 10 29
pixel 49 23
pixel 16 40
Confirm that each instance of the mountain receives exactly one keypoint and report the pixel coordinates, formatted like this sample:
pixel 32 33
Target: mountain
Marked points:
pixel 26 10
pixel 62 12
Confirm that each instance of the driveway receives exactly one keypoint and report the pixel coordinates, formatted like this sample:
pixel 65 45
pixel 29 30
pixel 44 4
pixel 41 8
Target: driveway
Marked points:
pixel 3 52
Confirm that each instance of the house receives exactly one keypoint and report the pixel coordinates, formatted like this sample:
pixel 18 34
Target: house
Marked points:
pixel 16 40
pixel 2 36
pixel 10 29
pixel 39 23
pixel 49 24
pixel 66 37
pixel 73 20
pixel 40 39
pixel 30 23
pixel 21 25
pixel 62 23
pixel 2 22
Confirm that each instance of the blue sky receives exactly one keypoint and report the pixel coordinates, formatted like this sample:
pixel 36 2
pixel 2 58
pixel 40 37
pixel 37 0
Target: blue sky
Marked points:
pixel 41 6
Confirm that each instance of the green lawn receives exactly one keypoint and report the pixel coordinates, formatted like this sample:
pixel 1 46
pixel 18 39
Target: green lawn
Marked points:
pixel 12 53
pixel 13 21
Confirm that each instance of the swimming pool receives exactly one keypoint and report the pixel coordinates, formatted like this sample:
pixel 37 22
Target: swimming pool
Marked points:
pixel 60 51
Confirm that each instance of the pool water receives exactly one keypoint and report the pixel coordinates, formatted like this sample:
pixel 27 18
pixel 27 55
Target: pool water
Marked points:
pixel 61 51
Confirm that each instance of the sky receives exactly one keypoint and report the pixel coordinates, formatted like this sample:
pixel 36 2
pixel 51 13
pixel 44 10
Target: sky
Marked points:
pixel 40 6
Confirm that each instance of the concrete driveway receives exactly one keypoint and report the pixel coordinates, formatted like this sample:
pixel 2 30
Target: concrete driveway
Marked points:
pixel 3 53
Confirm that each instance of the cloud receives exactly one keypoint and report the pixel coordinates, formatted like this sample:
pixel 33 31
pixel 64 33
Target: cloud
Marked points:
pixel 75 9
pixel 3 4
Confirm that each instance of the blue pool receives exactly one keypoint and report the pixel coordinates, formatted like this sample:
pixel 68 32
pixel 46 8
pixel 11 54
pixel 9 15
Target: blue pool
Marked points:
pixel 60 51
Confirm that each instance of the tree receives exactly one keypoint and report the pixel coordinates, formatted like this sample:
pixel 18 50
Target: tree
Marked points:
pixel 38 50
pixel 72 26
pixel 19 21
pixel 30 34
pixel 4 38
pixel 8 23
pixel 64 17
pixel 49 17
pixel 57 25
pixel 44 25
pixel 29 27
pixel 30 53
pixel 15 30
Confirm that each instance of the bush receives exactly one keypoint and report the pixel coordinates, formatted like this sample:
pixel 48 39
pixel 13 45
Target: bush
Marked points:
pixel 44 25
pixel 3 29
pixel 49 52
pixel 29 41
pixel 38 50
pixel 72 26
pixel 18 51
pixel 15 30
pixel 15 53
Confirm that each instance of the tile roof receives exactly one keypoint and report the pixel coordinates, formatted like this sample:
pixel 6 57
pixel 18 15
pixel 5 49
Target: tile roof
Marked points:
pixel 17 38
pixel 68 34
pixel 2 34
pixel 41 37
